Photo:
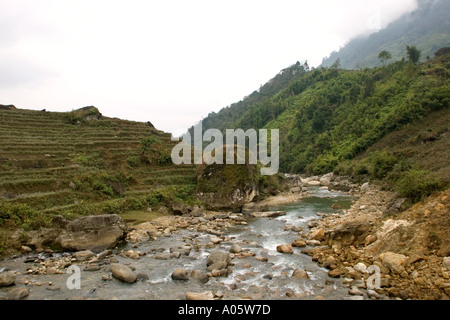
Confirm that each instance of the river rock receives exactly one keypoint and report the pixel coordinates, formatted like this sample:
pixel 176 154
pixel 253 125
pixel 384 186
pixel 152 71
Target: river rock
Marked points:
pixel 95 233
pixel 285 248
pixel 123 273
pixel 18 293
pixel 318 234
pixel 207 295
pixel 365 187
pixel 179 209
pixel 268 214
pixel 446 262
pixel 218 260
pixel 180 274
pixel 235 248
pixel 83 255
pixel 299 243
pixel 355 291
pixel 360 267
pixel 300 274
pixel 353 232
pixel 335 273
pixel 199 275
pixel 393 261
pixel 7 278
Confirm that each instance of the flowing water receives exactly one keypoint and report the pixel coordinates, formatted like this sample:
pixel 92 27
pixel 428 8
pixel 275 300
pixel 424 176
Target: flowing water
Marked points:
pixel 251 278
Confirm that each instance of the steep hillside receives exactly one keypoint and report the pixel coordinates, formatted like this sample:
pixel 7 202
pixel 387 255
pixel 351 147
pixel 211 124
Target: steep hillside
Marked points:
pixel 79 163
pixel 427 28
pixel 336 120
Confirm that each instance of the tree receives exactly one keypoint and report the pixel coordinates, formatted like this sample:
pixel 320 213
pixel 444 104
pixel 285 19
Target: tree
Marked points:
pixel 413 54
pixel 384 56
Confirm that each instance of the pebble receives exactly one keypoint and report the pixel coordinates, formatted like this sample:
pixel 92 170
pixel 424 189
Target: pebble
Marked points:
pixel 355 291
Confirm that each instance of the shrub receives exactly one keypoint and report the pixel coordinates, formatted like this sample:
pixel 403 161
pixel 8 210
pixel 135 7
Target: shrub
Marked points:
pixel 416 184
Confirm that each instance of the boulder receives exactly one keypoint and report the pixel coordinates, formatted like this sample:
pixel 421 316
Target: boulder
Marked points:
pixel 218 260
pixel 83 255
pixel 95 233
pixel 300 274
pixel 365 187
pixel 199 275
pixel 179 209
pixel 207 295
pixel 317 234
pixel 299 243
pixel 393 261
pixel 7 278
pixel 18 293
pixel 353 232
pixel 180 274
pixel 325 181
pixel 123 273
pixel 235 248
pixel 285 248
pixel 446 262
pixel 268 214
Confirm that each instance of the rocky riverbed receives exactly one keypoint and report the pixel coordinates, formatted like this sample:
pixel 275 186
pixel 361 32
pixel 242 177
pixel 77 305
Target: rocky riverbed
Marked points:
pixel 324 245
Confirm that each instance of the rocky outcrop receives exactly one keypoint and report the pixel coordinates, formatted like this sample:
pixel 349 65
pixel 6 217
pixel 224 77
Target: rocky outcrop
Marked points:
pixel 227 186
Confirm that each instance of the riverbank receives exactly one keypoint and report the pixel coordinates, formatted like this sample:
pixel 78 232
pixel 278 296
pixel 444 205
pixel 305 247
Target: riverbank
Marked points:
pixel 410 249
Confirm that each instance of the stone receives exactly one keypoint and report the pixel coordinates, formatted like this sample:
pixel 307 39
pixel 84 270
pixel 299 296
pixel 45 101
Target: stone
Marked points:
pixel 371 238
pixel 25 249
pixel 324 181
pixel 18 293
pixel 365 187
pixel 300 274
pixel 336 206
pixel 215 239
pixel 446 263
pixel 299 243
pixel 285 248
pixel 268 214
pixel 235 248
pixel 83 255
pixel 313 242
pixel 199 275
pixel 7 278
pixel 180 274
pixel 372 294
pixel 217 257
pixel 335 273
pixel 142 276
pixel 123 273
pixel 360 267
pixel 352 232
pixel 95 233
pixel 355 291
pixel 393 261
pixel 92 267
pixel 207 295
pixel 318 234
pixel 179 209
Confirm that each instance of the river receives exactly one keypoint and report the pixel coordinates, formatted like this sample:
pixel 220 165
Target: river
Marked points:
pixel 251 278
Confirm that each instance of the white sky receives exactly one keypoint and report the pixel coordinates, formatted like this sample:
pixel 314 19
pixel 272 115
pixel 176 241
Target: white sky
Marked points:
pixel 170 62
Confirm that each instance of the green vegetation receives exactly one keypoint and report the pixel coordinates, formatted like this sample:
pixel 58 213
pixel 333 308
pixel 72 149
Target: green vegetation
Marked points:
pixel 339 120
pixel 80 163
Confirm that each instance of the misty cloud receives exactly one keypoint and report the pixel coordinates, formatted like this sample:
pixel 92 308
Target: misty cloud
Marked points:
pixel 168 59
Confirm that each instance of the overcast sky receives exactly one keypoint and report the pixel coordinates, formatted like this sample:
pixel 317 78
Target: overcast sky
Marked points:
pixel 170 62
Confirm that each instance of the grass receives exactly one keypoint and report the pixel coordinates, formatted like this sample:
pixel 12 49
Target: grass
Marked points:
pixel 52 163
